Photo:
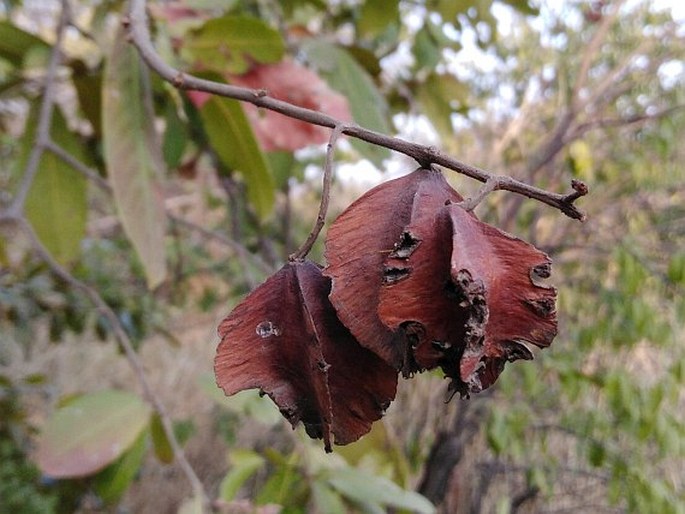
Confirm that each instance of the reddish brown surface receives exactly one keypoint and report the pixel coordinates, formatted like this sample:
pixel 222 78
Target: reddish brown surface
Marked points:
pixel 424 284
pixel 419 304
pixel 357 245
pixel 519 308
pixel 361 384
pixel 467 301
pixel 293 83
pixel 285 340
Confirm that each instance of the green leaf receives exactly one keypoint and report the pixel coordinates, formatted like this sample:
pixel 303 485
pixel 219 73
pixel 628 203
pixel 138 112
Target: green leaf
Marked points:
pixel 113 481
pixel 15 43
pixel 522 6
pixel 133 156
pixel 231 136
pixel 285 485
pixel 379 448
pixel 4 260
pixel 366 59
pixel 87 81
pixel 449 9
pixel 326 500
pixel 231 43
pixel 497 432
pixel 426 50
pixel 175 137
pixel 369 108
pixel 90 432
pixel 56 204
pixel 244 464
pixel 580 157
pixel 538 478
pixel 184 430
pixel 436 109
pixel 676 269
pixel 596 454
pixel 440 96
pixel 360 486
pixel 249 403
pixel 376 15
pixel 160 442
pixel 284 166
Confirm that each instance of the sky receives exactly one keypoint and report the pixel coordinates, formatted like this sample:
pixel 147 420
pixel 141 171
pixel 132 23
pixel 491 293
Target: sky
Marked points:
pixel 417 130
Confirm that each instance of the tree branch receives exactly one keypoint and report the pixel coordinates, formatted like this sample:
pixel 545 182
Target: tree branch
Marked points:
pixel 15 215
pixel 612 78
pixel 92 175
pixel 591 50
pixel 137 21
pixel 302 252
pixel 47 105
pixel 493 184
pixel 620 122
pixel 76 164
pixel 125 343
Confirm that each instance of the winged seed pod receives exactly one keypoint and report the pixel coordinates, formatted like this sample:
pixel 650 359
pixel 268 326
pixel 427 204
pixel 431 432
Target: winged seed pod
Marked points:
pixel 413 282
pixel 286 340
pixel 357 246
pixel 449 291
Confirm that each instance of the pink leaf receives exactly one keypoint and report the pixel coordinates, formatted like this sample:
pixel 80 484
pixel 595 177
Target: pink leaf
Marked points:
pixel 198 98
pixel 295 84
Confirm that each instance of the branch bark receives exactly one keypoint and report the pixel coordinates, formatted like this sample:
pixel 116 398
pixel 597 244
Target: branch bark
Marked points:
pixel 44 117
pixel 137 21
pixel 591 51
pixel 302 252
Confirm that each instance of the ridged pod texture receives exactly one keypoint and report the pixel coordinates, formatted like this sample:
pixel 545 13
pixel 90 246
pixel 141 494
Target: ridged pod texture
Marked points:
pixel 357 245
pixel 285 340
pixel 413 282
pixel 425 284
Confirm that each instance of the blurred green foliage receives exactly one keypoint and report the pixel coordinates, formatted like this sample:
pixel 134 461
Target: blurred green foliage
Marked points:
pixel 21 489
pixel 595 423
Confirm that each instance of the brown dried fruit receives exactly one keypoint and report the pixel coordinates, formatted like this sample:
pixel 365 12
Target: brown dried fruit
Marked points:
pixel 470 301
pixel 520 309
pixel 425 307
pixel 286 340
pixel 357 246
pixel 424 284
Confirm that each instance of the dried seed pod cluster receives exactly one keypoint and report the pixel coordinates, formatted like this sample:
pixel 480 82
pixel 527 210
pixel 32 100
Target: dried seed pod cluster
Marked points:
pixel 413 282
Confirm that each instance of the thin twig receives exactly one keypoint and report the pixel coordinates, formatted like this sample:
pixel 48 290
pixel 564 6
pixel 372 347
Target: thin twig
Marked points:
pixel 44 117
pixel 125 342
pixel 492 184
pixel 591 50
pixel 424 155
pixel 302 252
pixel 243 253
pixel 617 73
pixel 621 122
pixel 77 165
